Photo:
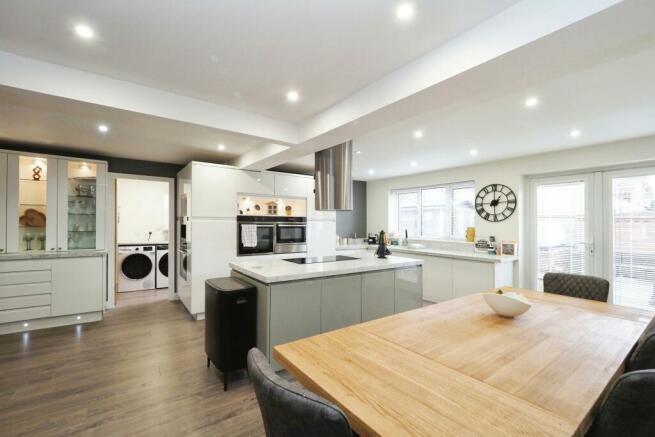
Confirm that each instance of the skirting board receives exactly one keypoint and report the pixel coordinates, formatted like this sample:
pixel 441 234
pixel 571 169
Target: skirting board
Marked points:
pixel 49 322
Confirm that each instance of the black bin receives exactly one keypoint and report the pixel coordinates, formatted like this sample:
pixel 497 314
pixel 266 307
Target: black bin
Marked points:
pixel 230 323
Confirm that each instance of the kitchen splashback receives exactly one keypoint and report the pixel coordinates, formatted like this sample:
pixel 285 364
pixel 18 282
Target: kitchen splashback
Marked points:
pixel 271 206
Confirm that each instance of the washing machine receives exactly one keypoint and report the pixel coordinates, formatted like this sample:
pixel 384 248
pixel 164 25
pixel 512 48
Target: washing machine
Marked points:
pixel 137 268
pixel 161 278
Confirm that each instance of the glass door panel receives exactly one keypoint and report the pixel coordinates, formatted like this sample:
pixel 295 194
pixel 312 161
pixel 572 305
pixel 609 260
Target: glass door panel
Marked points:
pixel 632 228
pixel 81 205
pixel 563 229
pixel 32 203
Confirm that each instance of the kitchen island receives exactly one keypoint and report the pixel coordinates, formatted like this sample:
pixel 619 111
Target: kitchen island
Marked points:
pixel 300 300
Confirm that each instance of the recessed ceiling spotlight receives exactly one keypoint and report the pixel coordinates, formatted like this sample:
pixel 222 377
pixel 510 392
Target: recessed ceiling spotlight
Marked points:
pixel 25 325
pixel 359 152
pixel 405 11
pixel 221 147
pixel 84 31
pixel 293 96
pixel 418 134
pixel 473 152
pixel 531 102
pixel 103 128
pixel 413 163
pixel 575 133
pixel 371 172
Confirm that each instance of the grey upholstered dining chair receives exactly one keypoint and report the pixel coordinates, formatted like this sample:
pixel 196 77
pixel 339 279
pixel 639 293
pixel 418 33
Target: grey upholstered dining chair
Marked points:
pixel 585 287
pixel 628 409
pixel 643 356
pixel 289 411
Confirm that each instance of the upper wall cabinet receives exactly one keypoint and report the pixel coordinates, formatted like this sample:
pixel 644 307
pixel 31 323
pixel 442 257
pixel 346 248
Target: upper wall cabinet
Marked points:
pixel 301 186
pixel 215 188
pixel 292 185
pixel 54 204
pixel 3 202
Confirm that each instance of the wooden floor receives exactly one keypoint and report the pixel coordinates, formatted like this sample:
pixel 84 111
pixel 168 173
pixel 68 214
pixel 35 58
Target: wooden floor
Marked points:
pixel 141 371
pixel 140 297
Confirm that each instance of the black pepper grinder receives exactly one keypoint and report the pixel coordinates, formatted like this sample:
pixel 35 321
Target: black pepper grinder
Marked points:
pixel 382 250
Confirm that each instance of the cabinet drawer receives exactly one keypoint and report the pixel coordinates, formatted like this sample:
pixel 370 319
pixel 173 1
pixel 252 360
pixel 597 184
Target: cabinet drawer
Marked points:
pixel 11 303
pixel 28 277
pixel 24 289
pixel 24 266
pixel 16 315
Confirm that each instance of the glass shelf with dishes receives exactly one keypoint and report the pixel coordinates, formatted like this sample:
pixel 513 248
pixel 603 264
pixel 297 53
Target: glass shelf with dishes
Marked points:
pixel 32 203
pixel 82 209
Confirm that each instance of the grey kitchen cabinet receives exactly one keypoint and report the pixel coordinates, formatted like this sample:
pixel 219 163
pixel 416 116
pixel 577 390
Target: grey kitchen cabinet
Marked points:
pixel 378 297
pixel 77 285
pixel 341 302
pixel 409 289
pixel 263 303
pixel 295 312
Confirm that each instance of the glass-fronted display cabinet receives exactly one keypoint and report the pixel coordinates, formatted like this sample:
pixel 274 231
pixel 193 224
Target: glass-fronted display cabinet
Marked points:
pixel 81 218
pixel 81 197
pixel 54 204
pixel 31 203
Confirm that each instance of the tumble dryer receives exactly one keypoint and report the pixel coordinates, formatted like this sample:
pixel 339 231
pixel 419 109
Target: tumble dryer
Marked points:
pixel 161 280
pixel 136 266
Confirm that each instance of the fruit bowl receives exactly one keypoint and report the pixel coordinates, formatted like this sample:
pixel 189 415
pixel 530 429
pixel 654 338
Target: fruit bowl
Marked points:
pixel 507 303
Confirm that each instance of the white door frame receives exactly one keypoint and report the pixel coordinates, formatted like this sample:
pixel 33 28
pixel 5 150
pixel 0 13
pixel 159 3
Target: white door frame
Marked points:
pixel 594 235
pixel 608 234
pixel 111 234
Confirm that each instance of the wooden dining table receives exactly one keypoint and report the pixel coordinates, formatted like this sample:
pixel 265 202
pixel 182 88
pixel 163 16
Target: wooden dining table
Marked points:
pixel 457 368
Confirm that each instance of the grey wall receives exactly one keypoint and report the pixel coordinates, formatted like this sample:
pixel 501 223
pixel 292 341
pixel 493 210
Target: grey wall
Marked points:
pixel 115 165
pixel 354 222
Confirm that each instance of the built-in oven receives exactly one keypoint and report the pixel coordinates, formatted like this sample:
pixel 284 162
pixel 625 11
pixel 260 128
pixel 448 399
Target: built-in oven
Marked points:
pixel 290 237
pixel 255 235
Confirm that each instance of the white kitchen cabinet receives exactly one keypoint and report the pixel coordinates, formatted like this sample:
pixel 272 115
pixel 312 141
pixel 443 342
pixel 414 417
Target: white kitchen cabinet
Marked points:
pixel 3 202
pixel 292 185
pixel 81 199
pixel 214 189
pixel 77 285
pixel 471 277
pixel 437 278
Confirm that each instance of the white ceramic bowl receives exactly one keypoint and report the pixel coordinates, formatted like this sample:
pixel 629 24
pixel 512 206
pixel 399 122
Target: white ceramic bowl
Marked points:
pixel 508 304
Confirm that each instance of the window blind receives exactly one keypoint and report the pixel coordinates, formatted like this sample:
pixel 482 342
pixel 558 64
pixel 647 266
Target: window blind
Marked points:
pixel 633 229
pixel 438 212
pixel 560 228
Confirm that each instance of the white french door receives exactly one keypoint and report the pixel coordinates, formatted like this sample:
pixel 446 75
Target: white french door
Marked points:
pixel 630 236
pixel 563 226
pixel 600 224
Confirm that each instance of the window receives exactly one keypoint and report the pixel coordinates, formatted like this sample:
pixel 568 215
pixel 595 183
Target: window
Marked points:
pixel 443 211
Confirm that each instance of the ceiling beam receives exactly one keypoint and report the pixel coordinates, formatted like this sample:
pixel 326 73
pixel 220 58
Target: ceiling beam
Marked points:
pixel 47 78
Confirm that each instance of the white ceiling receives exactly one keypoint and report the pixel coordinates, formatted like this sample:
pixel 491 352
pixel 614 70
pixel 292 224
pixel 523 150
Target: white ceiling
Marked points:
pixel 244 54
pixel 599 83
pixel 585 76
pixel 53 121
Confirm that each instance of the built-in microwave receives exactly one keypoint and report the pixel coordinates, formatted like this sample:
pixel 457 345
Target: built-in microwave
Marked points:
pixel 290 237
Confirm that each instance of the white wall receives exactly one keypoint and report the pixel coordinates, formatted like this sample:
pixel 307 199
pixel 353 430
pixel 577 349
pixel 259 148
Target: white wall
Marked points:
pixel 142 207
pixel 511 172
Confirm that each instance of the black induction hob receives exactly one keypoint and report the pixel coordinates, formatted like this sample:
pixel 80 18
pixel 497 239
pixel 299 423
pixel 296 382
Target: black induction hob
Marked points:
pixel 320 259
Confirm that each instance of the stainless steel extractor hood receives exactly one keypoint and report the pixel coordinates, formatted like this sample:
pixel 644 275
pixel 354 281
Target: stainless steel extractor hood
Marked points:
pixel 333 181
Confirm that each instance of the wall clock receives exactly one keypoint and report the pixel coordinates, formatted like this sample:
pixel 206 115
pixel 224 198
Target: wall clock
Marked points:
pixel 495 202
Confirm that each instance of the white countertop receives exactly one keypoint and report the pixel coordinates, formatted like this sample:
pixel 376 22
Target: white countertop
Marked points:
pixel 277 270
pixel 40 254
pixel 471 256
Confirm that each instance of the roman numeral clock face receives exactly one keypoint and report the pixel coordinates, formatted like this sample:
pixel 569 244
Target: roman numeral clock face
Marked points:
pixel 495 202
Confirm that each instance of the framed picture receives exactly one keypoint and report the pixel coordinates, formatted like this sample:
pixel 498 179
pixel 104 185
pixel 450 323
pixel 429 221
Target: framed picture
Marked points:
pixel 508 248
